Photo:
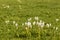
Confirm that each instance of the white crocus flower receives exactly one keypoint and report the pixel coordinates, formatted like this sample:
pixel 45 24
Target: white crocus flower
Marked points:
pixel 16 25
pixel 57 20
pixel 36 18
pixel 34 23
pixel 26 28
pixel 7 6
pixel 41 24
pixel 14 22
pixel 25 23
pixel 7 21
pixel 28 24
pixel 29 19
pixel 56 28
pixel 47 25
pixel 50 24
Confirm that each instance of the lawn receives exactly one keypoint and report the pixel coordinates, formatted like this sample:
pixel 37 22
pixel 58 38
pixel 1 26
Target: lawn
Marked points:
pixel 29 19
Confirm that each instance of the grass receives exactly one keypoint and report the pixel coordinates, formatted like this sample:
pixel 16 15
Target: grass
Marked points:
pixel 46 10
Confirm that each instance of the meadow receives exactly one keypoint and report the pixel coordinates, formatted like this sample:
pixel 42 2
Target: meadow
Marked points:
pixel 29 19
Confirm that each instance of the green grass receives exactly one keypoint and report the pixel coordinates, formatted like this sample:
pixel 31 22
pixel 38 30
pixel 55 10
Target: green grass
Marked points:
pixel 21 11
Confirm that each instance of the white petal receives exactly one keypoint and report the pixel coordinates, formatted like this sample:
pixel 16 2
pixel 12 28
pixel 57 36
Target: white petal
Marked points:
pixel 36 18
pixel 7 21
pixel 14 22
pixel 57 19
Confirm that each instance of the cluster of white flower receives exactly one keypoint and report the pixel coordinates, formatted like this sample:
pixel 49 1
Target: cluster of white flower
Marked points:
pixel 55 28
pixel 36 22
pixel 48 25
pixel 14 23
pixel 5 6
pixel 7 21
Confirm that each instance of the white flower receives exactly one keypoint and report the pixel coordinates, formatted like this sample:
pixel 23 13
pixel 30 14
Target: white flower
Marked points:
pixel 14 22
pixel 25 23
pixel 36 18
pixel 28 24
pixel 7 6
pixel 47 25
pixel 34 23
pixel 57 19
pixel 7 21
pixel 41 24
pixel 56 28
pixel 16 26
pixel 29 19
pixel 50 24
